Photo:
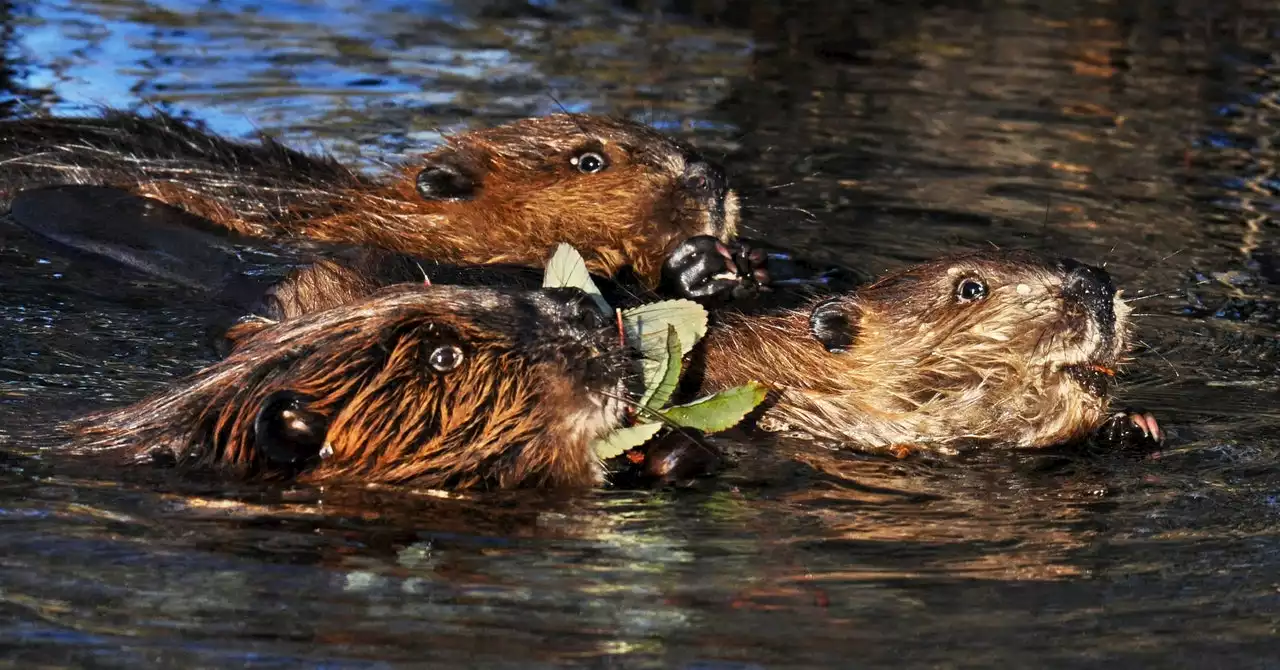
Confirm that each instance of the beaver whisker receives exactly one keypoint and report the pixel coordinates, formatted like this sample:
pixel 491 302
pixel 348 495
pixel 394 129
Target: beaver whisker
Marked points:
pixel 1053 334
pixel 641 410
pixel 1157 352
pixel 1106 258
pixel 781 208
pixel 1149 295
pixel 1155 265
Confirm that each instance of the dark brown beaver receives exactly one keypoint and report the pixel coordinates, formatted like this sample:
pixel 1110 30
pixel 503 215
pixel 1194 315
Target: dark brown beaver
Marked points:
pixel 441 386
pixel 1007 348
pixel 625 195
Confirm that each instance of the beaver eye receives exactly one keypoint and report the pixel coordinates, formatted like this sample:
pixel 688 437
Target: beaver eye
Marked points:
pixel 446 358
pixel 589 162
pixel 969 290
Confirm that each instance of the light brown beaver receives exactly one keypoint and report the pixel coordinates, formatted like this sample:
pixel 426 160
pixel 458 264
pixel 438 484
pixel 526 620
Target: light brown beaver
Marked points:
pixel 1005 348
pixel 440 386
pixel 631 199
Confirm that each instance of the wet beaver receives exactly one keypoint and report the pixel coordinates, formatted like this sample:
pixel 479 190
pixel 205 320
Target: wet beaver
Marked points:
pixel 634 201
pixel 1007 348
pixel 439 386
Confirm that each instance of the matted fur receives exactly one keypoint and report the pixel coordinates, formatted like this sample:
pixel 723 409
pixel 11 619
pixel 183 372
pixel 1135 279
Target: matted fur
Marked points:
pixel 529 198
pixel 533 390
pixel 1014 369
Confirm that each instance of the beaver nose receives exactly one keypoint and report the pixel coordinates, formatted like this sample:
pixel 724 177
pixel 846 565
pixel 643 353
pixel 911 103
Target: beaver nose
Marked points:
pixel 1091 288
pixel 577 307
pixel 705 177
pixel 1087 284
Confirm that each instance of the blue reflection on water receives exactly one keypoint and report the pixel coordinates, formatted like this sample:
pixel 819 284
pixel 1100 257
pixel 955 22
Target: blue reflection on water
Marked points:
pixel 225 61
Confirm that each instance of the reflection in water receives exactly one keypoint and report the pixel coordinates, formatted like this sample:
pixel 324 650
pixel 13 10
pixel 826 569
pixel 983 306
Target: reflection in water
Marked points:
pixel 1135 134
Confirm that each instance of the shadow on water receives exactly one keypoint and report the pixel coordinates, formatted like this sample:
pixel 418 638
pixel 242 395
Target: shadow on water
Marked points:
pixel 1140 135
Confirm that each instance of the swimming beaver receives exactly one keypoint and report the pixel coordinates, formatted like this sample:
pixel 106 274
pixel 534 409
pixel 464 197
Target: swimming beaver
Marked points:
pixel 439 386
pixel 1008 348
pixel 631 199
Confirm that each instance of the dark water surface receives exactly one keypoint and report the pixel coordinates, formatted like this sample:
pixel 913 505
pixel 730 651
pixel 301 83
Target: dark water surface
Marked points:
pixel 1139 134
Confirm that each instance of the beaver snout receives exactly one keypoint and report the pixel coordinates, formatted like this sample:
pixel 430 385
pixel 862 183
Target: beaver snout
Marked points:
pixel 1087 281
pixel 576 308
pixel 1091 288
pixel 709 187
pixel 582 339
pixel 705 177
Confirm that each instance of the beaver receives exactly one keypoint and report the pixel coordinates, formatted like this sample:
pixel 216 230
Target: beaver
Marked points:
pixel 1007 348
pixel 634 201
pixel 439 386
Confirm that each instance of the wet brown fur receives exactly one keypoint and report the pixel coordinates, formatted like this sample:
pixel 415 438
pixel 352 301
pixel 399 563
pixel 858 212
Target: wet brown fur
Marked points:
pixel 1013 369
pixel 520 411
pixel 529 196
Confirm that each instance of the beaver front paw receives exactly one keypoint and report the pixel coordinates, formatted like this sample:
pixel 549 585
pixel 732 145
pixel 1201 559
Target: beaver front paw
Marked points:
pixel 676 459
pixel 1131 428
pixel 703 267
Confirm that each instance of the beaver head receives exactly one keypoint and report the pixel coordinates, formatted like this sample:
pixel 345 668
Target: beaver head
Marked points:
pixel 441 386
pixel 622 193
pixel 1010 348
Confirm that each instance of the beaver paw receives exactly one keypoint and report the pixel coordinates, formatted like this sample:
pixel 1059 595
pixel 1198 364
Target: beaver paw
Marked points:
pixel 703 267
pixel 1131 428
pixel 675 463
pixel 676 460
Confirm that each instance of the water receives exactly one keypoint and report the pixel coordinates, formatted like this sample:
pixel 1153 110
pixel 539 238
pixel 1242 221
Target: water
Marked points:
pixel 1141 135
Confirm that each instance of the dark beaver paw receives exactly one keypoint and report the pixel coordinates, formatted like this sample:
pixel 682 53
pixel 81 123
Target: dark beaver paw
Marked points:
pixel 1131 428
pixel 703 267
pixel 673 460
pixel 674 463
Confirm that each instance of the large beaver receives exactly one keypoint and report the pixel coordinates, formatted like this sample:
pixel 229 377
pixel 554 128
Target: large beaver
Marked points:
pixel 440 386
pixel 632 200
pixel 1007 348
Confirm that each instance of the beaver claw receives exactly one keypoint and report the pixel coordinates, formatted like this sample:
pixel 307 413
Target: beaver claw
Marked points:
pixel 703 267
pixel 1131 428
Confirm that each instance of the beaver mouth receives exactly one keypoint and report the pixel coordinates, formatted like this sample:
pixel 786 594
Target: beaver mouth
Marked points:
pixel 714 214
pixel 1097 373
pixel 611 375
pixel 617 402
pixel 1095 377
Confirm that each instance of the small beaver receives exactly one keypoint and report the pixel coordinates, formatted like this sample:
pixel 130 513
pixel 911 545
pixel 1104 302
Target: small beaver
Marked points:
pixel 438 386
pixel 1008 348
pixel 631 199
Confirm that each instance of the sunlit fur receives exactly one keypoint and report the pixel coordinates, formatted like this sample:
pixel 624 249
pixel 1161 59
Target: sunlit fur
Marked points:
pixel 531 393
pixel 358 273
pixel 530 196
pixel 1012 369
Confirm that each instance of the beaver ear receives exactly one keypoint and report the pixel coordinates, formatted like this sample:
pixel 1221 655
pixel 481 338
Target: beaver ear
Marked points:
pixel 244 328
pixel 286 432
pixel 444 177
pixel 833 325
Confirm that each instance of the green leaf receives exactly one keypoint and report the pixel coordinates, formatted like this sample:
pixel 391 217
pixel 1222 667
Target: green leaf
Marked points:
pixel 566 269
pixel 623 439
pixel 721 411
pixel 653 368
pixel 662 376
pixel 646 326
